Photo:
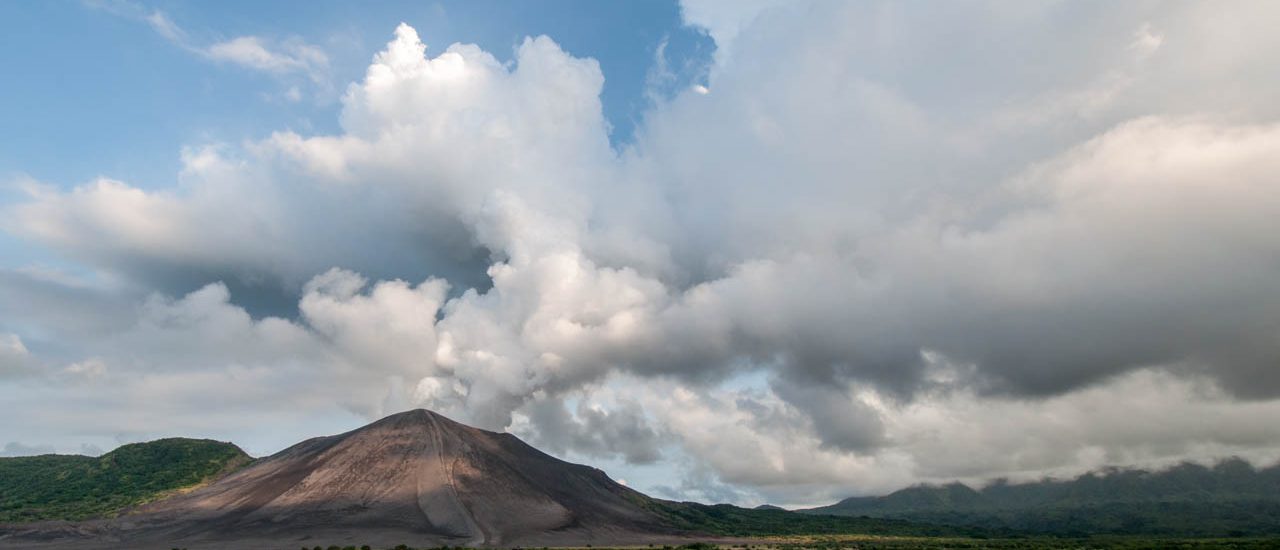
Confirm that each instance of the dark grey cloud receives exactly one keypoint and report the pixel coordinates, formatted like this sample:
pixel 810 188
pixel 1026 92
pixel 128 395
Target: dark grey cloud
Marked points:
pixel 841 421
pixel 622 430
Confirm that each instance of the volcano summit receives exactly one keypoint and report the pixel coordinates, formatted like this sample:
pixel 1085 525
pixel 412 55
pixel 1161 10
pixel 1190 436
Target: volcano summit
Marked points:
pixel 417 478
pixel 421 474
pixel 414 476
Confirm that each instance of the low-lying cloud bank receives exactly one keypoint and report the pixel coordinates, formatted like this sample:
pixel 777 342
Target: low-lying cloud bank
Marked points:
pixel 882 245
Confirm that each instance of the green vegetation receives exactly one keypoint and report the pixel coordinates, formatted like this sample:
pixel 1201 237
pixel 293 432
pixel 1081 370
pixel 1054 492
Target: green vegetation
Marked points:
pixel 886 543
pixel 365 547
pixel 1026 543
pixel 1231 499
pixel 1230 505
pixel 732 521
pixel 727 520
pixel 74 487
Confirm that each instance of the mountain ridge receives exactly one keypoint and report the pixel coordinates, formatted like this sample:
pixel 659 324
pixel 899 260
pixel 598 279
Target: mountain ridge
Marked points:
pixel 55 486
pixel 417 472
pixel 423 478
pixel 419 476
pixel 1229 498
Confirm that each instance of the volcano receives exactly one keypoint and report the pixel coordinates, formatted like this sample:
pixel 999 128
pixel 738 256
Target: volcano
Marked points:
pixel 414 477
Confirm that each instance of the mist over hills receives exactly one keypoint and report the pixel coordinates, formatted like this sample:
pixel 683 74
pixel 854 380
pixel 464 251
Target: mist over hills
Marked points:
pixel 1230 498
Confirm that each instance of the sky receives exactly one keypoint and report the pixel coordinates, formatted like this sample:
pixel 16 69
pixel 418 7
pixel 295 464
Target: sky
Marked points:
pixel 753 251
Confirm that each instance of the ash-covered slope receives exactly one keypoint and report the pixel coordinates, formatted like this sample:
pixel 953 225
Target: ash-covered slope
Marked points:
pixel 412 476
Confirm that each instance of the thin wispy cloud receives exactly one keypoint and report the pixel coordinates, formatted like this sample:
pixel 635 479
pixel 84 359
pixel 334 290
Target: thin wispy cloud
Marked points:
pixel 290 57
pixel 279 58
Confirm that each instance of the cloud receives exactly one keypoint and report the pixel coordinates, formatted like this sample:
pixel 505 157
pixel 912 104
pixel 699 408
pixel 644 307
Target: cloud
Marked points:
pixel 1146 41
pixel 847 261
pixel 252 52
pixel 282 59
pixel 724 20
pixel 166 27
pixel 756 445
pixel 13 355
pixel 13 448
pixel 615 427
pixel 392 325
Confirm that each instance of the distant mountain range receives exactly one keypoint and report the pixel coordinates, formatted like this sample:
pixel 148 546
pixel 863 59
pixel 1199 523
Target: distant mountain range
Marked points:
pixel 415 477
pixel 1231 498
pixel 423 479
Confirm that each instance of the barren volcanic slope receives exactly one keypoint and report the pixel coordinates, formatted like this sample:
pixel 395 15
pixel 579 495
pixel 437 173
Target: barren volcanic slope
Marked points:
pixel 413 477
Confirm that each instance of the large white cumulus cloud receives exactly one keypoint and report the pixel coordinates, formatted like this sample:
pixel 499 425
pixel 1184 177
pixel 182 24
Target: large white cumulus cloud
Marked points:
pixel 880 234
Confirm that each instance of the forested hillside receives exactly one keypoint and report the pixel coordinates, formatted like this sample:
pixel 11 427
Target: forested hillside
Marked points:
pixel 1231 498
pixel 78 487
